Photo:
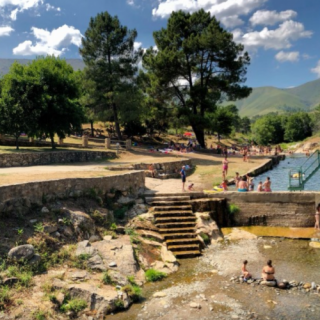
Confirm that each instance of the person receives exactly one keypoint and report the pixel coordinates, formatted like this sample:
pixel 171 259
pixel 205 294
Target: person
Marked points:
pixel 268 272
pixel 225 166
pixel 183 177
pixel 250 183
pixel 237 179
pixel 242 186
pixel 245 272
pixel 260 187
pixel 267 185
pixel 317 217
pixel 190 187
pixel 224 185
pixel 153 170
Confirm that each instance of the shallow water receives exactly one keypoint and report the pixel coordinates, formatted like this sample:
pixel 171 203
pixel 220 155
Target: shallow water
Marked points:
pixel 279 175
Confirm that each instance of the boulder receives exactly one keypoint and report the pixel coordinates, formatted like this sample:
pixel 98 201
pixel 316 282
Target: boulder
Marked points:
pixel 94 238
pixel 50 228
pixel 45 210
pixel 23 252
pixel 96 263
pixel 118 278
pixel 268 283
pixel 79 275
pixel 125 200
pixel 167 256
pixel 83 224
pixel 204 224
pixel 84 247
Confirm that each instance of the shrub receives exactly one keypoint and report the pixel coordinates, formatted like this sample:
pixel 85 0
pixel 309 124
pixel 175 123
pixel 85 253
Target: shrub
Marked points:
pixel 120 213
pixel 133 291
pixel 39 315
pixel 153 275
pixel 38 227
pixel 113 227
pixel 25 278
pixel 232 209
pixel 5 296
pixel 205 238
pixel 75 305
pixel 106 279
pixel 119 304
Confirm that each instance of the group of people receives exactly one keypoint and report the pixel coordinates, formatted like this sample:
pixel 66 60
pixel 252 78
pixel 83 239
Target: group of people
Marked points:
pixel 268 271
pixel 246 183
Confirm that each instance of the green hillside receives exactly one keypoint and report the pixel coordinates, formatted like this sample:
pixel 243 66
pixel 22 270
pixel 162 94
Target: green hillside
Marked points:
pixel 6 63
pixel 264 100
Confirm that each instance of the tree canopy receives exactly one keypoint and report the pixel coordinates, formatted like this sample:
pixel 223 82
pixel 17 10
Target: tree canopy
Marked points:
pixel 195 65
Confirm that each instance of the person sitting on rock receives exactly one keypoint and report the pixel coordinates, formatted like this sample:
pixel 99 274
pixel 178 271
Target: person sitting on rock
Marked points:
pixel 245 272
pixel 268 272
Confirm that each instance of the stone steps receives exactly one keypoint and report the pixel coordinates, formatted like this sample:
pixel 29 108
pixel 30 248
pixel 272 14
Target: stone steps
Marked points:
pixel 168 225
pixel 183 247
pixel 182 241
pixel 183 235
pixel 161 219
pixel 149 199
pixel 177 230
pixel 171 203
pixel 177 213
pixel 187 254
pixel 173 208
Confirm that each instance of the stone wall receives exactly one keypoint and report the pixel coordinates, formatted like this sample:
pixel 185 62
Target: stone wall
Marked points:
pixel 45 158
pixel 283 209
pixel 20 198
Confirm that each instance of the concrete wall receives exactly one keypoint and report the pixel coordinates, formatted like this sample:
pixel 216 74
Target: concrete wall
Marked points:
pixel 45 158
pixel 285 209
pixel 20 198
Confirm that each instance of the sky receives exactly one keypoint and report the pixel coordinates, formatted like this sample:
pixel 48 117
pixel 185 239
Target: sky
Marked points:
pixel 281 36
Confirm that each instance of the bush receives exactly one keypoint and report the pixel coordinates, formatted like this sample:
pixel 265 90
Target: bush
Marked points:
pixel 133 291
pixel 232 209
pixel 153 275
pixel 119 304
pixel 205 238
pixel 106 279
pixel 5 296
pixel 75 305
pixel 120 213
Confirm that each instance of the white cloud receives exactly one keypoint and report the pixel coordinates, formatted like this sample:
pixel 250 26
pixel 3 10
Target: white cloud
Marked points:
pixel 19 6
pixel 265 17
pixel 49 7
pixel 137 45
pixel 232 21
pixel 52 43
pixel 316 69
pixel 291 56
pixel 130 2
pixel 280 38
pixel 219 8
pixel 5 31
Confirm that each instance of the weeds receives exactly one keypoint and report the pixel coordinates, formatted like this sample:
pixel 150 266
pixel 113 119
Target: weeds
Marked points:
pixel 153 275
pixel 106 279
pixel 133 291
pixel 205 238
pixel 233 209
pixel 38 227
pixel 5 296
pixel 75 305
pixel 39 315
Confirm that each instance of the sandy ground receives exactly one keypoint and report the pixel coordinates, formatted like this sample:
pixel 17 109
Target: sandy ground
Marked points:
pixel 208 169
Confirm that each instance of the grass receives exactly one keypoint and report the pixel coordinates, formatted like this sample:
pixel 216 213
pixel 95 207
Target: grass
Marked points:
pixel 153 275
pixel 106 279
pixel 74 305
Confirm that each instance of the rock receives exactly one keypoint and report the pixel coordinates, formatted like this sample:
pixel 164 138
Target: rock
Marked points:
pixel 139 201
pixel 214 271
pixel 35 260
pixel 10 281
pixel 45 210
pixel 159 295
pixel 94 238
pixel 83 224
pixel 67 231
pixel 33 221
pixel 79 276
pixel 314 244
pixel 165 267
pixel 167 256
pixel 50 228
pixel 313 286
pixel 282 285
pixel 112 264
pixel 307 285
pixel 84 247
pixel 238 234
pixel 60 298
pixel 267 247
pixel 25 252
pixel 195 305
pixel 268 283
pixel 107 238
pixel 96 263
pixel 125 200
pixel 150 234
pixel 118 278
pixel 120 230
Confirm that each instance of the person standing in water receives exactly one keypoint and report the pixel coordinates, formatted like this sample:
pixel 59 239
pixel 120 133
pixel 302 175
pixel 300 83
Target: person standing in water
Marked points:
pixel 267 185
pixel 317 217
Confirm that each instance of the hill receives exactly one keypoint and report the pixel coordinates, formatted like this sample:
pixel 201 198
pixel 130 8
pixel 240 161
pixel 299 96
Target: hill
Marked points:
pixel 6 63
pixel 264 100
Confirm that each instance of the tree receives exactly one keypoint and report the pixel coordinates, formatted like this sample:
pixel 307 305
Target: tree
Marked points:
pixel 298 127
pixel 111 62
pixel 16 108
pixel 245 125
pixel 196 64
pixel 56 98
pixel 268 129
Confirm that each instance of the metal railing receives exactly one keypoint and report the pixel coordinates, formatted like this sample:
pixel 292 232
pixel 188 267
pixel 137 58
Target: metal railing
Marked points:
pixel 299 176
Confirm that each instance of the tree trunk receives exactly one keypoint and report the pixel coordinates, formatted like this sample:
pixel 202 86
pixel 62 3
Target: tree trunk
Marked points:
pixel 17 142
pixel 116 120
pixel 91 123
pixel 199 135
pixel 52 141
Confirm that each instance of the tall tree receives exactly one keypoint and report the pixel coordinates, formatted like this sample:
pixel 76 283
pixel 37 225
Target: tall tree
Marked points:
pixel 111 61
pixel 57 98
pixel 195 65
pixel 298 127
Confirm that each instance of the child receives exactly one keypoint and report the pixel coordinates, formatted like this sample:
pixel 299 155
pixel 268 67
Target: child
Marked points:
pixel 260 187
pixel 190 187
pixel 245 272
pixel 224 185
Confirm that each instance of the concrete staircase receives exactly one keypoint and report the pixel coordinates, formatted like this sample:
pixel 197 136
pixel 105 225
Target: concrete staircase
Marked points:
pixel 176 223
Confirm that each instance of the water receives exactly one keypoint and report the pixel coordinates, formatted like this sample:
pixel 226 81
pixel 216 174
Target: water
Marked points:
pixel 279 175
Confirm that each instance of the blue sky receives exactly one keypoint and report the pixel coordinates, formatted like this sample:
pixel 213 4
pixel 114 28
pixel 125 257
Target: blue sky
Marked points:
pixel 282 36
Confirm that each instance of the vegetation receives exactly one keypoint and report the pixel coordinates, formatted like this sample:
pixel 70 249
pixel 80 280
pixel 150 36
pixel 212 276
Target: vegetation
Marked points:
pixel 233 209
pixel 75 305
pixel 205 238
pixel 153 275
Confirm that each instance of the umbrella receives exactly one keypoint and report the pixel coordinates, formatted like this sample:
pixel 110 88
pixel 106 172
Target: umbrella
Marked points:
pixel 189 134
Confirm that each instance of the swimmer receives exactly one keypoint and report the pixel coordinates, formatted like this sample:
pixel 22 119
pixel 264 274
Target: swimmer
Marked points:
pixel 268 272
pixel 267 185
pixel 245 272
pixel 242 185
pixel 260 187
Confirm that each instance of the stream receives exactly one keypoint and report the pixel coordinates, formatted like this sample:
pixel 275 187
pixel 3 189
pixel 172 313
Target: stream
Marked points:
pixel 206 281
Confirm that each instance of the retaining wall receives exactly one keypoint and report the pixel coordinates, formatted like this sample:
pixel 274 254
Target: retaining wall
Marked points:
pixel 45 158
pixel 20 198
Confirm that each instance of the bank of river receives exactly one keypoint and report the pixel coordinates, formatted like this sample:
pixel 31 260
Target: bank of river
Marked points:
pixel 205 281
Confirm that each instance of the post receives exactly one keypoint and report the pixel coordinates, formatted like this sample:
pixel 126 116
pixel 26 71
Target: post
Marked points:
pixel 85 141
pixel 60 142
pixel 128 144
pixel 107 143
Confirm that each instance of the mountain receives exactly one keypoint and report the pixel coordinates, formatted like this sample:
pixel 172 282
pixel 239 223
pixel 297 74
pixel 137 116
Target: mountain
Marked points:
pixel 264 100
pixel 6 63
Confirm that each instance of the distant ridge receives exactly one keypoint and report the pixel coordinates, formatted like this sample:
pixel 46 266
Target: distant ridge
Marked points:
pixel 264 100
pixel 6 63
